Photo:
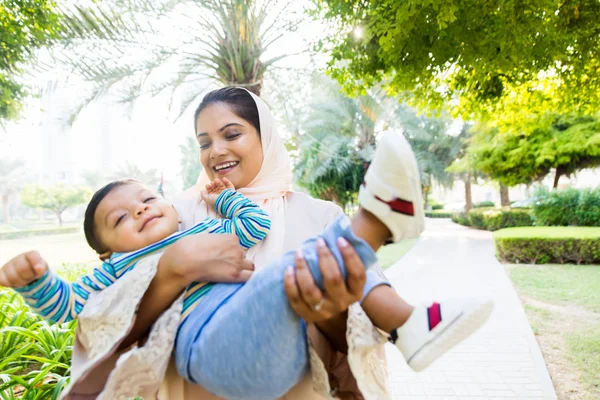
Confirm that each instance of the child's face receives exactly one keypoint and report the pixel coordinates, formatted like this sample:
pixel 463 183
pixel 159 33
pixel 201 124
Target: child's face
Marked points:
pixel 132 216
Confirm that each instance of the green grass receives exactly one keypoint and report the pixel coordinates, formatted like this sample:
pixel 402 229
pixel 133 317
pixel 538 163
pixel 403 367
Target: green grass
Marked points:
pixel 549 232
pixel 388 255
pixel 575 284
pixel 584 349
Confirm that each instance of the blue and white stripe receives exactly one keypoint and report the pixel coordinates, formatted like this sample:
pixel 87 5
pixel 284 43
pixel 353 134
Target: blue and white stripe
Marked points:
pixel 62 301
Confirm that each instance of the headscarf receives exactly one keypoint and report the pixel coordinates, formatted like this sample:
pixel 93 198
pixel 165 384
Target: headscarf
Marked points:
pixel 268 189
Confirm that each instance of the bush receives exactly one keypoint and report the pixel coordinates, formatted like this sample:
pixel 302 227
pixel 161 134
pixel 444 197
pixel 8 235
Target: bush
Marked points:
pixel 438 214
pixel 37 232
pixel 542 245
pixel 492 219
pixel 568 207
pixel 460 218
pixel 484 204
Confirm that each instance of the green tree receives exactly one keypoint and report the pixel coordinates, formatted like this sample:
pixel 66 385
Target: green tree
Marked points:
pixel 335 140
pixel 56 198
pixel 121 47
pixel 190 162
pixel 568 145
pixel 469 52
pixel 463 165
pixel 25 25
pixel 434 149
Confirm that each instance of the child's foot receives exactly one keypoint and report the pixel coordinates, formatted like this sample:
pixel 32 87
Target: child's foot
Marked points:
pixel 392 189
pixel 432 331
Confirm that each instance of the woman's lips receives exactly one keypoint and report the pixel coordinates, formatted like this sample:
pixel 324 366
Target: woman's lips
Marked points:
pixel 225 168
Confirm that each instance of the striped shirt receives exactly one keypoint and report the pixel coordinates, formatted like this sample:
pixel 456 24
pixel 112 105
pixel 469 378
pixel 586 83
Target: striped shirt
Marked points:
pixel 62 301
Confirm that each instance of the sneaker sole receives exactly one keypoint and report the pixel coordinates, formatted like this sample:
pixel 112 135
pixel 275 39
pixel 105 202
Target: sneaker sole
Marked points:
pixel 461 328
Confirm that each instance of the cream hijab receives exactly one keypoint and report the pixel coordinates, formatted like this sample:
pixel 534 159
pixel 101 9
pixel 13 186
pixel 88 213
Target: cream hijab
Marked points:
pixel 268 188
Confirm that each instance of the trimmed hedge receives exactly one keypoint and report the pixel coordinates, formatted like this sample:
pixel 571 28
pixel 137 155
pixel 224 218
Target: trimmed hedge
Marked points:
pixel 568 207
pixel 439 214
pixel 37 232
pixel 543 245
pixel 484 204
pixel 492 219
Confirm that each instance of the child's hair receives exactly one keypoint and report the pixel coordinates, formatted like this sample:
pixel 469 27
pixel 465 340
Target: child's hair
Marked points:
pixel 89 227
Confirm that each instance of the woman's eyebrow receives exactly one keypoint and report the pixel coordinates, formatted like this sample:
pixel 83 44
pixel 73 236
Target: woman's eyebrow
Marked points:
pixel 220 130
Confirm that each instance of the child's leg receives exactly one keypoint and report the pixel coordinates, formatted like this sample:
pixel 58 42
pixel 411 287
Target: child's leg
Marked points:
pixel 251 344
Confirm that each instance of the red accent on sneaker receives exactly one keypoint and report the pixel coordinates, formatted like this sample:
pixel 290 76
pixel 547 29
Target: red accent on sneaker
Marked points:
pixel 435 315
pixel 400 206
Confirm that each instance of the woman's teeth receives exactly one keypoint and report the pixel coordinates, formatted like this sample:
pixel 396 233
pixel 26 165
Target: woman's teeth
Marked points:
pixel 226 165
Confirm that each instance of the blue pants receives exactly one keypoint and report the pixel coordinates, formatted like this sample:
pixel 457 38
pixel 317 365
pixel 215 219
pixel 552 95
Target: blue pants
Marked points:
pixel 243 341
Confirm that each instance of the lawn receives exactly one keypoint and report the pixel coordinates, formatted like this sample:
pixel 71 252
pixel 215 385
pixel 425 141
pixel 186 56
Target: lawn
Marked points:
pixel 562 303
pixel 388 255
pixel 549 232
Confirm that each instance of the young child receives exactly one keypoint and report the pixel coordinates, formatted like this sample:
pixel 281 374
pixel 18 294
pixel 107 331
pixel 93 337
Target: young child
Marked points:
pixel 217 345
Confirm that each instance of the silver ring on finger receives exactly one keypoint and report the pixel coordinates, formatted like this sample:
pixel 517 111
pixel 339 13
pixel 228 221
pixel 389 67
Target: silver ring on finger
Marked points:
pixel 317 307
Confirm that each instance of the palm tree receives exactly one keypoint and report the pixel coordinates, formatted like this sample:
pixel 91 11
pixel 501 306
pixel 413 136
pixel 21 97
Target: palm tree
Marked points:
pixel 129 48
pixel 11 179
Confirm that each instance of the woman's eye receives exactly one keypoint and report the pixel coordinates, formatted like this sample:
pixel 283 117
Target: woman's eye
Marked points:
pixel 204 146
pixel 149 199
pixel 233 136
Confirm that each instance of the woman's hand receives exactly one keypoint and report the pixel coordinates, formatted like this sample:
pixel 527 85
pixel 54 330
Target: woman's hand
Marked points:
pixel 305 297
pixel 206 257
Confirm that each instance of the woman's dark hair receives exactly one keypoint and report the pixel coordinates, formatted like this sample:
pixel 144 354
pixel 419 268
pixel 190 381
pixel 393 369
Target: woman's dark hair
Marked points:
pixel 240 100
pixel 89 227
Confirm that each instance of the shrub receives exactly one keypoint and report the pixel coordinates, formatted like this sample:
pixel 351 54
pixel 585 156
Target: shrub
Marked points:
pixel 568 207
pixel 484 204
pixel 542 245
pixel 438 214
pixel 492 219
pixel 435 207
pixel 37 232
pixel 460 218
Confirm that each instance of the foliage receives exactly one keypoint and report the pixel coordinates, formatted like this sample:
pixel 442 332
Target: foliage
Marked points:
pixel 567 145
pixel 569 207
pixel 468 53
pixel 55 198
pixel 25 25
pixel 120 47
pixel 18 234
pixel 483 204
pixel 493 219
pixel 542 245
pixel 190 162
pixel 439 214
pixel 335 143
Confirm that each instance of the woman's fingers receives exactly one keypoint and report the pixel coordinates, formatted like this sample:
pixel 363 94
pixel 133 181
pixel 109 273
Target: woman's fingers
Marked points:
pixel 354 268
pixel 335 286
pixel 309 291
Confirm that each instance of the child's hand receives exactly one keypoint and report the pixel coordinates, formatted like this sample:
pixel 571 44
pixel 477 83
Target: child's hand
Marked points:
pixel 22 270
pixel 214 189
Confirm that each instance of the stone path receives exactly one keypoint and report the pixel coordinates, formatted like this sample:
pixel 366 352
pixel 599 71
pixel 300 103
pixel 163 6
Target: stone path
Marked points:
pixel 500 361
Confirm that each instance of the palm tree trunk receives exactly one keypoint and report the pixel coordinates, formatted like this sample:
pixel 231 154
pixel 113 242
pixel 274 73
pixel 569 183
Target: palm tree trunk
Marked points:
pixel 468 194
pixel 504 199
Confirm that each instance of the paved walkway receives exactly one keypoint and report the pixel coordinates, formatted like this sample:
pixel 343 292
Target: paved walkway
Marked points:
pixel 500 361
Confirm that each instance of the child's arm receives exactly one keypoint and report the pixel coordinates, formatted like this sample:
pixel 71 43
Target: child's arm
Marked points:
pixel 244 217
pixel 48 294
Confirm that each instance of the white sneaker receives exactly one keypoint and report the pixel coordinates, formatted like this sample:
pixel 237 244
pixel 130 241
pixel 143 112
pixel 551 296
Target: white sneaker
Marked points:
pixel 431 331
pixel 392 188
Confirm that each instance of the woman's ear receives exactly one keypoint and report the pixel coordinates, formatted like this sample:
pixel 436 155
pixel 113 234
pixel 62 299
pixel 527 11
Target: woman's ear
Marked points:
pixel 105 256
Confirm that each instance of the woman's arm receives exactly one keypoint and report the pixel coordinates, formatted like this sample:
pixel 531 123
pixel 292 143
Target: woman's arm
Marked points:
pixel 195 258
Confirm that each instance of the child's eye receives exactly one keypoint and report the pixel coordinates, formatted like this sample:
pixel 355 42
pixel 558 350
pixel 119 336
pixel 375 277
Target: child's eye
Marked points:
pixel 119 220
pixel 149 199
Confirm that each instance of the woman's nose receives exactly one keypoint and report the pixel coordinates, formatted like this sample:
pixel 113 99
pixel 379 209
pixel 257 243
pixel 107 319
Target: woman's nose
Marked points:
pixel 218 149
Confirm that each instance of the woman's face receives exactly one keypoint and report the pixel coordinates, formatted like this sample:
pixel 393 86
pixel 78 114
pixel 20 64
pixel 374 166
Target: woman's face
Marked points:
pixel 230 146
